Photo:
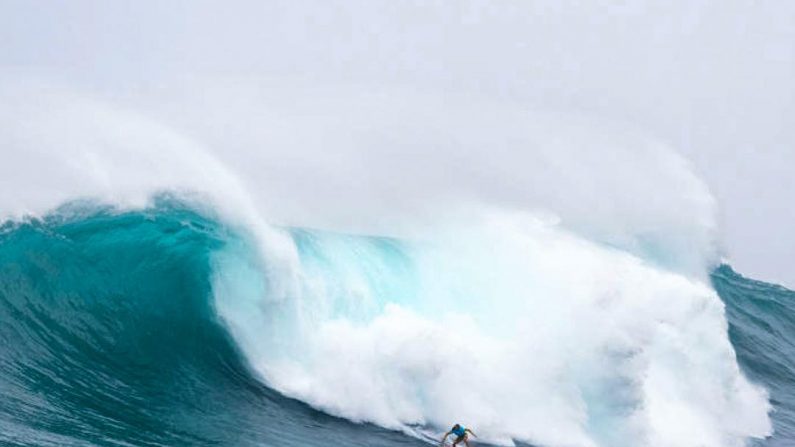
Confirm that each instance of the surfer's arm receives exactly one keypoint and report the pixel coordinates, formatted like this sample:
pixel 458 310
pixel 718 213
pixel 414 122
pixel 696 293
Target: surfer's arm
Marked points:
pixel 471 432
pixel 445 436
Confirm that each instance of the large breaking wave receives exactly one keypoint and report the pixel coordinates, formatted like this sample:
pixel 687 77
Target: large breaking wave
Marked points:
pixel 525 331
pixel 543 282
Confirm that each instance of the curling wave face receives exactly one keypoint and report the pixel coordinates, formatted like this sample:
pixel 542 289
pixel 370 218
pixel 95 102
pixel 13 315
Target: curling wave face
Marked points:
pixel 110 337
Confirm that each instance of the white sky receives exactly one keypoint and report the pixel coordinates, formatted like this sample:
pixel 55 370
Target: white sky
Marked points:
pixel 716 79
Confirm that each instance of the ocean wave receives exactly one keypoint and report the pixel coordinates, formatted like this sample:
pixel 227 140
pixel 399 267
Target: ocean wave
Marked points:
pixel 163 326
pixel 543 278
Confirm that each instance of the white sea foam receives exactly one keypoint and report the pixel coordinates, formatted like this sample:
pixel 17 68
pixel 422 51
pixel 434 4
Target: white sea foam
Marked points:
pixel 520 329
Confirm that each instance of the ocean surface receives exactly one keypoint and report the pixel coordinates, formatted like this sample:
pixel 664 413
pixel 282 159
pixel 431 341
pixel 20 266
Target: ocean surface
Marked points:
pixel 148 328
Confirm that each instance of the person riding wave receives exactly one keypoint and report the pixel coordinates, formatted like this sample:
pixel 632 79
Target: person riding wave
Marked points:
pixel 462 434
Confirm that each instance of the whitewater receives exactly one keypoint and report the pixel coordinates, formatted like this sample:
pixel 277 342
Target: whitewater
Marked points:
pixel 369 268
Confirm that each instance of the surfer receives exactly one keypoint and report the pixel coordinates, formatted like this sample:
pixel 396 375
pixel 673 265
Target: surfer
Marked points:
pixel 462 434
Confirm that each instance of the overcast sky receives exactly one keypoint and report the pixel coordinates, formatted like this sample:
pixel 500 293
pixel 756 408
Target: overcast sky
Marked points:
pixel 715 79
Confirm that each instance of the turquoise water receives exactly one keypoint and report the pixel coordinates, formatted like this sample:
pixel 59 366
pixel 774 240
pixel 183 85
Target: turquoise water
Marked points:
pixel 762 330
pixel 110 337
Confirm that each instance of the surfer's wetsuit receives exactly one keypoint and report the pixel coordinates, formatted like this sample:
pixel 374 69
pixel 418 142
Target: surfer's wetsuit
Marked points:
pixel 461 433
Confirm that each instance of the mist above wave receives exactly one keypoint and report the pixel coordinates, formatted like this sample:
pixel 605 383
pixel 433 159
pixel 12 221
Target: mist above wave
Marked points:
pixel 382 161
